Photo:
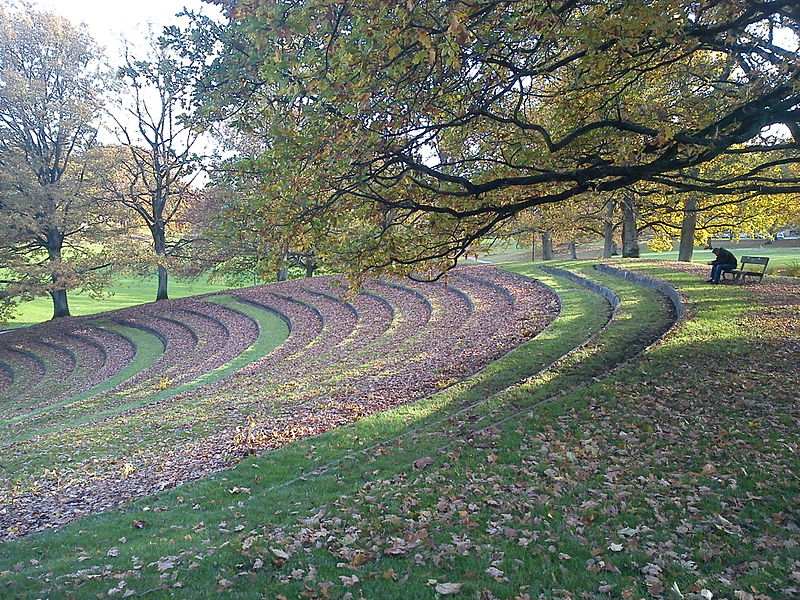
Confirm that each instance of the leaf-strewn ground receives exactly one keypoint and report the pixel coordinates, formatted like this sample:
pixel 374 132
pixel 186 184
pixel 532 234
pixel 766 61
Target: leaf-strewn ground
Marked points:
pixel 201 403
pixel 670 474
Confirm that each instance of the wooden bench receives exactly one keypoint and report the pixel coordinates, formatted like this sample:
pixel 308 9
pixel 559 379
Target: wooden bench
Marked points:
pixel 742 273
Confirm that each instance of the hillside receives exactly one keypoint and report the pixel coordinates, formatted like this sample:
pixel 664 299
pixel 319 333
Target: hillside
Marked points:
pixel 97 411
pixel 619 453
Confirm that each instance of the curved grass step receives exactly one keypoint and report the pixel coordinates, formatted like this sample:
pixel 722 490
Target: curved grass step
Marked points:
pixel 219 335
pixel 93 363
pixel 88 344
pixel 505 292
pixel 185 428
pixel 28 369
pixel 271 383
pixel 339 319
pixel 272 332
pixel 376 317
pixel 473 309
pixel 373 377
pixel 243 332
pixel 438 302
pixel 306 324
pixel 156 375
pixel 60 362
pixel 521 361
pixel 38 422
pixel 336 362
pixel 459 302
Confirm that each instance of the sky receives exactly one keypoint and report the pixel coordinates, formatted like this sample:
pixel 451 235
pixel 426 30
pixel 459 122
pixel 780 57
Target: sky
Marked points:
pixel 109 20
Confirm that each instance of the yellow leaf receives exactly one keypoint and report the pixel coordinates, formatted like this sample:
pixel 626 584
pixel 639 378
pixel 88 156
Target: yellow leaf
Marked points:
pixel 424 38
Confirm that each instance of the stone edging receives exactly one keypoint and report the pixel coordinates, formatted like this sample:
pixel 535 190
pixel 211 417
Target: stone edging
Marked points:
pixel 605 292
pixel 660 286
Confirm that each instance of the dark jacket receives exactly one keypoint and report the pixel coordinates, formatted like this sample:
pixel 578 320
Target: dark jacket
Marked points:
pixel 725 257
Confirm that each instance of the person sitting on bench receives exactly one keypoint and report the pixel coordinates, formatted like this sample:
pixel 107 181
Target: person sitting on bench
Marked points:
pixel 725 261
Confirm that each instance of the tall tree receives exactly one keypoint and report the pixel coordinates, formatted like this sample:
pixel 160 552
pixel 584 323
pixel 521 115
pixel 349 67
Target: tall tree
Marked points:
pixel 155 124
pixel 434 112
pixel 49 99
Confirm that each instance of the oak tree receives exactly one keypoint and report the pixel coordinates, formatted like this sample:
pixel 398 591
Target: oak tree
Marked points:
pixel 50 95
pixel 426 120
pixel 158 163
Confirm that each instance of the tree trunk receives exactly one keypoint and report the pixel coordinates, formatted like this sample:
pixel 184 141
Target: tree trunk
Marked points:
pixel 55 241
pixel 547 245
pixel 159 244
pixel 630 237
pixel 60 304
pixel 283 274
pixel 609 246
pixel 686 248
pixel 311 266
pixel 573 250
pixel 533 247
pixel 161 294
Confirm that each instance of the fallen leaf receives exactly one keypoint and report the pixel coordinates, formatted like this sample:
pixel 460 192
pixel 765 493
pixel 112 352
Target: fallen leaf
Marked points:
pixel 224 584
pixel 423 462
pixel 448 589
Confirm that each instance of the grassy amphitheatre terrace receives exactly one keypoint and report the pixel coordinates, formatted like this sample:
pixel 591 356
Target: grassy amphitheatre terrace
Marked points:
pixel 490 437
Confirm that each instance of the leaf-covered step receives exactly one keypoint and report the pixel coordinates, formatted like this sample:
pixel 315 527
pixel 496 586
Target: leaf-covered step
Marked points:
pixel 198 337
pixel 79 407
pixel 60 360
pixel 6 376
pixel 306 324
pixel 100 354
pixel 60 363
pixel 88 345
pixel 28 369
pixel 397 342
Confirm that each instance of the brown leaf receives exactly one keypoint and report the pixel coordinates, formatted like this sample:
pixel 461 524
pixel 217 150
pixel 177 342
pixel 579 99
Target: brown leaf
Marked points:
pixel 349 580
pixel 423 462
pixel 449 589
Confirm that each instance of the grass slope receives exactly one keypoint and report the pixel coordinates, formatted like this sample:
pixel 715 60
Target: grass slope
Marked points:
pixel 675 476
pixel 783 254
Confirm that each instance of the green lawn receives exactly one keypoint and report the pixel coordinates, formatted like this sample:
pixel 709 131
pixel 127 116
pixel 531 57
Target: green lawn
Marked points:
pixel 126 291
pixel 781 253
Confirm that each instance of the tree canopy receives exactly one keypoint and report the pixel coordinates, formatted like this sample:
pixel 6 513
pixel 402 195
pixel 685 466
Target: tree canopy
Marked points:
pixel 423 125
